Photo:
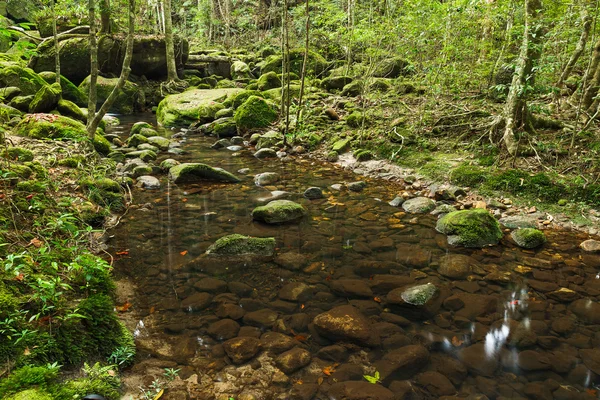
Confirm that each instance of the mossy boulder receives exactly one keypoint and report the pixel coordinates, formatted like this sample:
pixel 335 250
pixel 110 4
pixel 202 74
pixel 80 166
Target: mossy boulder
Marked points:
pixel 237 245
pixel 101 144
pixel 269 80
pixel 160 142
pixel 392 68
pixel 69 90
pixel 24 78
pixel 275 94
pixel 353 89
pixel 279 211
pixel 138 126
pixel 355 119
pixel 70 109
pixel 340 145
pixel 129 100
pixel 470 228
pixel 225 84
pixel 136 139
pixel 240 70
pixel 18 154
pixel 224 127
pixel 50 126
pixel 315 65
pixel 335 82
pixel 256 112
pixel 30 394
pixel 239 98
pixel 45 99
pixel 269 139
pixel 7 113
pixel 21 103
pixel 528 238
pixel 196 172
pixel 9 93
pixel 380 84
pixel 194 105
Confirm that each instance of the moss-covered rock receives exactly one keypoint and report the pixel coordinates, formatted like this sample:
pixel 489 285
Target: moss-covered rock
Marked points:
pixel 528 238
pixel 69 90
pixel 7 113
pixel 470 228
pixel 138 126
pixel 136 139
pixel 70 109
pixel 267 81
pixel 18 154
pixel 275 94
pixel 9 93
pixel 335 82
pixel 380 84
pixel 355 119
pixel 50 126
pixel 45 99
pixel 353 89
pixel 21 103
pixel 341 145
pixel 255 113
pixel 101 144
pixel 363 155
pixel 225 84
pixel 239 98
pixel 224 127
pixel 196 172
pixel 316 63
pixel 392 68
pixel 159 141
pixel 269 139
pixel 129 100
pixel 240 70
pixel 24 78
pixel 279 211
pixel 237 245
pixel 30 394
pixel 194 105
pixel 224 113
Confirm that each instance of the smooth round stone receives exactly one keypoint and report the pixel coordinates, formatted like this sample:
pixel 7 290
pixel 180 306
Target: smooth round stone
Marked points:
pixel 237 140
pixel 313 193
pixel 241 349
pixel 266 178
pixel 419 205
pixel 591 246
pixel 357 186
pixel 292 360
pixel 148 182
pixel 235 148
pixel 265 153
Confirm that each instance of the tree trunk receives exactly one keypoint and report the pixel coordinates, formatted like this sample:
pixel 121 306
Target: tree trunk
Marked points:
pixel 171 67
pixel 95 118
pixel 105 26
pixel 56 49
pixel 304 61
pixel 515 109
pixel 586 25
pixel 93 70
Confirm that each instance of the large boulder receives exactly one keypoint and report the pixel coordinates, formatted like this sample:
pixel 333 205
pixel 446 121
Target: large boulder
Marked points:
pixel 392 68
pixel 279 211
pixel 129 100
pixel 194 105
pixel 149 56
pixel 24 78
pixel 197 172
pixel 46 99
pixel 346 323
pixel 69 90
pixel 316 63
pixel 528 238
pixel 22 11
pixel 255 113
pixel 470 228
pixel 240 70
pixel 267 81
pixel 236 245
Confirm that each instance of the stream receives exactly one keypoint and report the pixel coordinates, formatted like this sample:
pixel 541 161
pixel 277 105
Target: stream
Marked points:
pixel 508 329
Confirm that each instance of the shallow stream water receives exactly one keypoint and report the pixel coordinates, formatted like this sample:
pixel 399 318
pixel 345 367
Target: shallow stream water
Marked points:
pixel 506 330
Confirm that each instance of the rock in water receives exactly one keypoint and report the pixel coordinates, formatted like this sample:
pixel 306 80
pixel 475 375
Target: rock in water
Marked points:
pixel 591 245
pixel 195 172
pixel 418 205
pixel 148 182
pixel 241 349
pixel 359 390
pixel 236 244
pixel 346 323
pixel 266 178
pixel 313 193
pixel 470 228
pixel 279 211
pixel 528 238
pixel 191 106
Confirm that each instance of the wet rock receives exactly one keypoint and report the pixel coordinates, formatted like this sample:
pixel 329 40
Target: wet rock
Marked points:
pixel 277 342
pixel 266 178
pixel 528 238
pixel 265 153
pixel 476 305
pixel 335 353
pixel 239 288
pixel 397 202
pixel 279 211
pixel 221 143
pixel 359 390
pixel 239 245
pixel 418 205
pixel 477 360
pixel 382 244
pixel 401 364
pixel 313 193
pixel 357 186
pixel 197 301
pixel 148 182
pixel 305 391
pixel 295 291
pixel 564 295
pixel 293 360
pixel 211 285
pixel 351 288
pixel 416 295
pixel 518 221
pixel 223 329
pixel 456 266
pixel 382 283
pixel 346 323
pixel 538 391
pixel 264 318
pixel 591 359
pixel 470 228
pixel 587 310
pixel 197 172
pixel 591 246
pixel 436 383
pixel 531 360
pixel 450 367
pixel 232 311
pixel 241 349
pixel 291 260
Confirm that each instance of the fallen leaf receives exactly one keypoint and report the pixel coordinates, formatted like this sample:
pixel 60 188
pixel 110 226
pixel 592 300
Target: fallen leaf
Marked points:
pixel 122 253
pixel 302 306
pixel 29 197
pixel 124 307
pixel 456 342
pixel 184 200
pixel 26 352
pixel 37 243
pixel 328 370
pixel 20 277
pixel 299 382
pixel 592 392
pixel 377 299
pixel 112 372
pixel 320 380
pixel 159 394
pixel 183 253
pixel 152 309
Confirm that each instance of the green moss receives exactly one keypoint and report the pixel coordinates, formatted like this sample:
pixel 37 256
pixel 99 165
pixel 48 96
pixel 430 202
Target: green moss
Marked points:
pixel 255 113
pixel 392 68
pixel 45 99
pixel 101 144
pixel 71 162
pixel 8 112
pixel 136 139
pixel 279 211
pixel 363 155
pixel 26 377
pixel 355 119
pixel 130 98
pixel 69 90
pixel 353 89
pixel 468 175
pixel 8 302
pixel 103 184
pixel 267 81
pixel 30 394
pixel 21 171
pixel 195 172
pixel 340 145
pixel 470 228
pixel 225 83
pixel 24 78
pixel 528 238
pixel 18 154
pixel 419 295
pixel 316 63
pixel 192 106
pixel 240 98
pixel 239 244
pixel 71 110
pixel 31 186
pixel 48 126
pixel 335 82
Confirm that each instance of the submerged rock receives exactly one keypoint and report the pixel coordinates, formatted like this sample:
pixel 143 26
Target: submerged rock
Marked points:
pixel 292 360
pixel 456 266
pixel 191 106
pixel 417 295
pixel 402 363
pixel 418 205
pixel 346 323
pixel 359 390
pixel 590 245
pixel 470 228
pixel 265 153
pixel 195 172
pixel 240 245
pixel 313 193
pixel 148 182
pixel 518 221
pixel 279 211
pixel 241 349
pixel 528 238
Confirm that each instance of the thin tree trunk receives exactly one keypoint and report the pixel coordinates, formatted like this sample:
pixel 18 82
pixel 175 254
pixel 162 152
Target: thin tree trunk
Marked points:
pixel 125 70
pixel 171 66
pixel 515 109
pixel 586 24
pixel 56 49
pixel 105 26
pixel 93 69
pixel 509 26
pixel 283 66
pixel 304 62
